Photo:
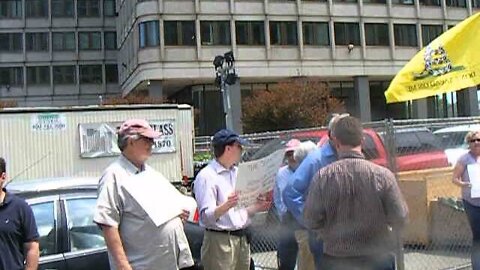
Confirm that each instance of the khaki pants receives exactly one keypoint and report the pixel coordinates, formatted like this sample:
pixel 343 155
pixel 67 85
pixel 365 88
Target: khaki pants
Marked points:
pixel 305 259
pixel 221 251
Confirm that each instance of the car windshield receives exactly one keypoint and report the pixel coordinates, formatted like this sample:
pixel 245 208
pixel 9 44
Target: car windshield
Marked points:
pixel 454 139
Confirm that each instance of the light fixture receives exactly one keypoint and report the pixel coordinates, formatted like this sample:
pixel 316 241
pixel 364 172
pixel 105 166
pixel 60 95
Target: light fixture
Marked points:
pixel 229 58
pixel 350 47
pixel 218 61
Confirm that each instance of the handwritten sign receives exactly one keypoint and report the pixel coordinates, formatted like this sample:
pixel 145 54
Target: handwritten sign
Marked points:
pixel 257 177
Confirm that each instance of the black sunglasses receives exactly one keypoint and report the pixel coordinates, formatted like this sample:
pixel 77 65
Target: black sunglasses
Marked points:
pixel 474 140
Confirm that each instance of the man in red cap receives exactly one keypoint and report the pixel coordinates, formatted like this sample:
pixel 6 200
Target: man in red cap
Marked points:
pixel 133 240
pixel 287 245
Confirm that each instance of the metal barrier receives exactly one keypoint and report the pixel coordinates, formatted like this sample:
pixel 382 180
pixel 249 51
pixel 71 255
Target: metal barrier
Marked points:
pixel 422 154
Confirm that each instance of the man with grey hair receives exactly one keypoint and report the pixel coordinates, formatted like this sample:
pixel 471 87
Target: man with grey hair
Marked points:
pixel 297 187
pixel 133 240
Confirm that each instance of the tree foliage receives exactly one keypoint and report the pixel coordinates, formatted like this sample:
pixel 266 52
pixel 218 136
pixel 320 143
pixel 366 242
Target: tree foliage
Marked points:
pixel 297 103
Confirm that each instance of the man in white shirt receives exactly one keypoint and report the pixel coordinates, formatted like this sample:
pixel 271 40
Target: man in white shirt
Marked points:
pixel 133 240
pixel 225 244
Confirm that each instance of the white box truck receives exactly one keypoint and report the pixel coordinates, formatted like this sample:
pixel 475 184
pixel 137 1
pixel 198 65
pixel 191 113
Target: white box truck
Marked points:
pixel 81 141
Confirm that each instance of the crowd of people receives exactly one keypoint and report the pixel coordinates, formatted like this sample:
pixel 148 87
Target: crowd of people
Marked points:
pixel 336 209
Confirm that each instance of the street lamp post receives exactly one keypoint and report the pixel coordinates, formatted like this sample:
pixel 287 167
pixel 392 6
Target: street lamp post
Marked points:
pixel 225 75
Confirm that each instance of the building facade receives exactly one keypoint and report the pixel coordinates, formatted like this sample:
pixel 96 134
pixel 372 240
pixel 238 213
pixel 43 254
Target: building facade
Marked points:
pixel 69 52
pixel 58 52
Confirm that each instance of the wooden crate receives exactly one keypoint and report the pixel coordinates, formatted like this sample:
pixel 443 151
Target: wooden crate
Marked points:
pixel 420 188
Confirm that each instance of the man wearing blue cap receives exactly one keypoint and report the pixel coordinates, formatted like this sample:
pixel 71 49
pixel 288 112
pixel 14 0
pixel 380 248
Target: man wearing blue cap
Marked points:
pixel 225 243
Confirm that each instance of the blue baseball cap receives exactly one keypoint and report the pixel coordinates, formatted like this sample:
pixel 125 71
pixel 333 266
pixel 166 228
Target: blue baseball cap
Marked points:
pixel 227 136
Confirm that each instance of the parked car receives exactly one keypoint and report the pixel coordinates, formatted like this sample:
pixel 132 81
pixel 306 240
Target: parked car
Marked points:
pixel 415 148
pixel 453 140
pixel 69 239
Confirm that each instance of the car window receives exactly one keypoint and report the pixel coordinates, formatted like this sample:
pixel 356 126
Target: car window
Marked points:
pixel 416 142
pixel 368 147
pixel 45 219
pixel 82 231
pixel 453 139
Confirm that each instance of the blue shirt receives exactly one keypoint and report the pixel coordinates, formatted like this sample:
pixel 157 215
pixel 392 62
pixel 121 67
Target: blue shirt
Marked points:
pixel 295 192
pixel 17 226
pixel 283 174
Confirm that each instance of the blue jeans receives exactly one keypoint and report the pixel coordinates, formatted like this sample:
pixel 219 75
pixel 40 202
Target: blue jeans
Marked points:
pixel 473 215
pixel 316 247
pixel 374 262
pixel 287 249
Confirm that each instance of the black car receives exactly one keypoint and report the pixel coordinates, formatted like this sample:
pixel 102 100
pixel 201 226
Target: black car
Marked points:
pixel 69 239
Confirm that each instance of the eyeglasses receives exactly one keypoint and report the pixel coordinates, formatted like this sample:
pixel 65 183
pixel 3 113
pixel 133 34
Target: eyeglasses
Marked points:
pixel 474 140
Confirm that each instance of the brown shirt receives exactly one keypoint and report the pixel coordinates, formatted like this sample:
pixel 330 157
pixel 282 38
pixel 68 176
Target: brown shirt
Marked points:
pixel 352 204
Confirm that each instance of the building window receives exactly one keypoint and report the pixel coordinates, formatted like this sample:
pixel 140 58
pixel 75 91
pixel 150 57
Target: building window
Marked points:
pixel 11 42
pixel 37 42
pixel 402 2
pixel 12 76
pixel 476 4
pixel 405 35
pixel 88 8
pixel 109 8
pixel 36 8
pixel 62 8
pixel 90 41
pixel 63 41
pixel 347 33
pixel 38 75
pixel 64 75
pixel 316 33
pixel 111 74
pixel 215 32
pixel 11 9
pixel 283 33
pixel 149 34
pixel 345 1
pixel 376 34
pixel 91 74
pixel 430 2
pixel 250 32
pixel 110 40
pixel 456 3
pixel 376 1
pixel 430 32
pixel 179 33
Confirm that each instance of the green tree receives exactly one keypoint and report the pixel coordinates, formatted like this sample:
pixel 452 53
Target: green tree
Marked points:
pixel 298 103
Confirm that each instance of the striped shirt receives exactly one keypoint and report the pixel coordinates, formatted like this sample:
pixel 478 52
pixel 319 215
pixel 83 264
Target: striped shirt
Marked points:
pixel 352 204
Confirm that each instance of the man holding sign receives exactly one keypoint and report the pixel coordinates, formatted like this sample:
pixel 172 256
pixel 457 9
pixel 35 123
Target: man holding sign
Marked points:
pixel 225 243
pixel 139 236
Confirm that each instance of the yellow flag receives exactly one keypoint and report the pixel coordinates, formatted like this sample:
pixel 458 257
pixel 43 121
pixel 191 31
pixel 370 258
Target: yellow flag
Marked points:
pixel 449 63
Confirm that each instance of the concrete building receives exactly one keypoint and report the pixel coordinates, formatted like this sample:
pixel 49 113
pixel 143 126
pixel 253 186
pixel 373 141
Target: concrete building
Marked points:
pixel 166 49
pixel 58 52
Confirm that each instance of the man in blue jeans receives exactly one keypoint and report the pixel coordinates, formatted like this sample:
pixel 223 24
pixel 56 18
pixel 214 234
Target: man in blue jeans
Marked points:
pixel 287 249
pixel 295 192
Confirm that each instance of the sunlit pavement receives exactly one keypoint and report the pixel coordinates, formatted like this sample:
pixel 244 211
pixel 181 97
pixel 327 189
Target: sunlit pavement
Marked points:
pixel 414 260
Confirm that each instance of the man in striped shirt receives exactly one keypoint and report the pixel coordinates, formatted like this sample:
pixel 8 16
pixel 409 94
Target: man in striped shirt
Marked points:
pixel 355 206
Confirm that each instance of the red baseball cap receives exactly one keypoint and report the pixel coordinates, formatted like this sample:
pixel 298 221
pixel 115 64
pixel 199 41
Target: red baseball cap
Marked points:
pixel 140 127
pixel 292 145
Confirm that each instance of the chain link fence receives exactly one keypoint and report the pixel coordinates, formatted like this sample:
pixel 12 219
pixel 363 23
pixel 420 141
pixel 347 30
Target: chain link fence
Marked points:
pixel 422 154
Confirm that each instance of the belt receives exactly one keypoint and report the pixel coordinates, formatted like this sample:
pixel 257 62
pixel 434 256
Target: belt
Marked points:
pixel 239 233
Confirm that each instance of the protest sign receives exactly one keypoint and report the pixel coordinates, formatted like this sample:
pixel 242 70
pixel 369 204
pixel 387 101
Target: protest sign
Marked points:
pixel 257 177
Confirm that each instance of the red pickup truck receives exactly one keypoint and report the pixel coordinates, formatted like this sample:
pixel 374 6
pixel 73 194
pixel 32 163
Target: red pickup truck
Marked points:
pixel 416 148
